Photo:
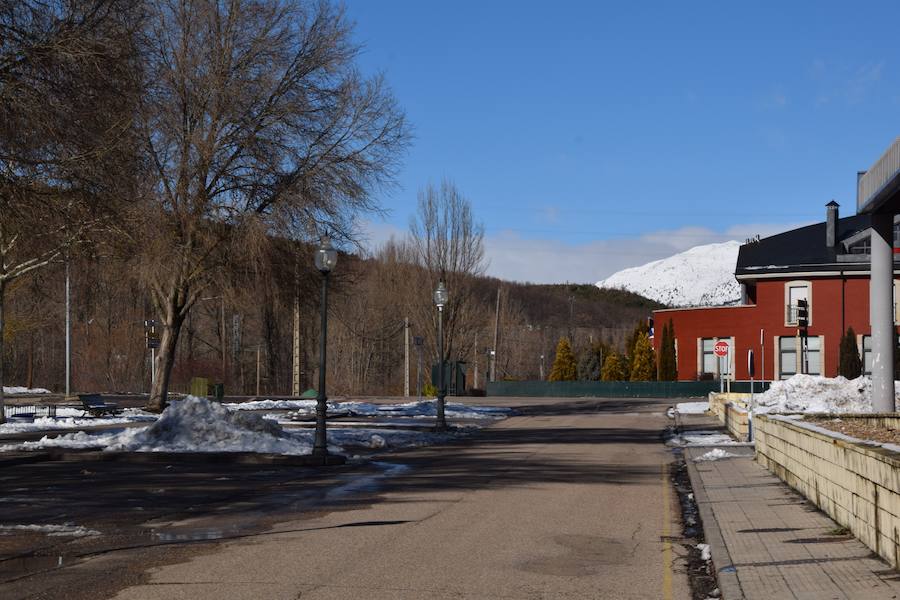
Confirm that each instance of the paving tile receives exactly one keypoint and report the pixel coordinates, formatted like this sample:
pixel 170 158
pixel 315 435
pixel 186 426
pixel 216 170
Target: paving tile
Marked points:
pixel 780 546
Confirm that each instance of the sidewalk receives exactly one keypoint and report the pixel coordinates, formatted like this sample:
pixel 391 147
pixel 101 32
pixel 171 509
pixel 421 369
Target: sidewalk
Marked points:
pixel 768 543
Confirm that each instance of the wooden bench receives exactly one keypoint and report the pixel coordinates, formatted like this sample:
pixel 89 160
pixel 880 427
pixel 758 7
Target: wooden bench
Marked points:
pixel 96 407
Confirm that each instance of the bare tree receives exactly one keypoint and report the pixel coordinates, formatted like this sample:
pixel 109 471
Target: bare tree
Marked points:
pixel 64 107
pixel 449 244
pixel 254 121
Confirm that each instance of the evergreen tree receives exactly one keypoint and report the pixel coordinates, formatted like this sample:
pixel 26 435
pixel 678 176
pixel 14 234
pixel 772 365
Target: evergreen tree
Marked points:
pixel 668 366
pixel 613 368
pixel 850 364
pixel 591 360
pixel 641 328
pixel 643 366
pixel 564 367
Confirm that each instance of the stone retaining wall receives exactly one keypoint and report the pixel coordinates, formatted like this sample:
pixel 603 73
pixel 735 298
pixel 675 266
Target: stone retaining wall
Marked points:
pixel 731 410
pixel 857 485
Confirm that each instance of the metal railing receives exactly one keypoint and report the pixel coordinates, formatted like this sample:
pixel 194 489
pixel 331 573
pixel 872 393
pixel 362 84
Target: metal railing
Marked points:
pixel 882 172
pixel 790 314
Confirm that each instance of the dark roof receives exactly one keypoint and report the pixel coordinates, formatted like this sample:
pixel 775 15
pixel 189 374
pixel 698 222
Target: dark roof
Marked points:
pixel 804 250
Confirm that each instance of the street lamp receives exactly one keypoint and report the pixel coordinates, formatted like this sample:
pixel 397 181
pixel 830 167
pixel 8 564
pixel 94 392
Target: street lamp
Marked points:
pixel 326 259
pixel 440 300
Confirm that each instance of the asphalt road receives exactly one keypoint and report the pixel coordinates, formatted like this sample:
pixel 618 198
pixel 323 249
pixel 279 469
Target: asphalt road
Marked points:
pixel 571 499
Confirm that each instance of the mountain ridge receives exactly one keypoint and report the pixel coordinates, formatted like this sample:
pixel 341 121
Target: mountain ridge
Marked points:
pixel 700 276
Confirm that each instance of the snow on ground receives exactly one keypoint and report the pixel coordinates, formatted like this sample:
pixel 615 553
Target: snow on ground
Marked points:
pixel 715 454
pixel 705 554
pixel 814 394
pixel 199 425
pixel 692 408
pixel 704 438
pixel 420 409
pixel 13 390
pixel 67 529
pixel 189 425
pixel 72 418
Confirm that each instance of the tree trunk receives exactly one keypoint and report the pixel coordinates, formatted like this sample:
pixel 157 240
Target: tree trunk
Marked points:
pixel 165 357
pixel 2 298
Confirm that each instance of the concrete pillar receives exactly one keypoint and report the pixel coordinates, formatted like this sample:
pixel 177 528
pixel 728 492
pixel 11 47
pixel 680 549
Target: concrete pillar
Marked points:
pixel 881 306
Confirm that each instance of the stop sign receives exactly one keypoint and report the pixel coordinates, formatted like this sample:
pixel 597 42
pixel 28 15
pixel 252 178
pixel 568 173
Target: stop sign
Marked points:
pixel 721 349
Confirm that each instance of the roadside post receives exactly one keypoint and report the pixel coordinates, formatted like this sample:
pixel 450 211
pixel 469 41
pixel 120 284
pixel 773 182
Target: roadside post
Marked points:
pixel 751 370
pixel 721 350
pixel 152 336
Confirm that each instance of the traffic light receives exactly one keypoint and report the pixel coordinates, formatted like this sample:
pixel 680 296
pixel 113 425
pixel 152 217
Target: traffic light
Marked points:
pixel 802 314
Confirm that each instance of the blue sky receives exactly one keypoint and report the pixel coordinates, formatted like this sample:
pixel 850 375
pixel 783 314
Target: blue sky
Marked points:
pixel 592 136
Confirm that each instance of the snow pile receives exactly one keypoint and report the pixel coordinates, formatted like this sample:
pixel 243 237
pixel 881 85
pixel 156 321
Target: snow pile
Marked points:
pixel 52 530
pixel 704 438
pixel 189 425
pixel 701 276
pixel 13 390
pixel 705 554
pixel 716 454
pixel 815 394
pixel 692 408
pixel 418 409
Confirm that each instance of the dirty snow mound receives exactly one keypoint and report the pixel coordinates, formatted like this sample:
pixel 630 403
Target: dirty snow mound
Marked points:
pixel 717 454
pixel 198 425
pixel 815 394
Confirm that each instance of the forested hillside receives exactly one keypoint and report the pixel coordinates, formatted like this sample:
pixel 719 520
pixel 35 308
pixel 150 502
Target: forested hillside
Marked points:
pixel 371 298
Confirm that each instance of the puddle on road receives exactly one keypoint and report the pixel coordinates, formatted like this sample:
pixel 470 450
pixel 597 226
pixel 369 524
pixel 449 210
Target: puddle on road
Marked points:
pixel 194 535
pixel 366 483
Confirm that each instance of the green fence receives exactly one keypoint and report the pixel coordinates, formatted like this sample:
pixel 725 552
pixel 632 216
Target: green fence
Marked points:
pixel 616 389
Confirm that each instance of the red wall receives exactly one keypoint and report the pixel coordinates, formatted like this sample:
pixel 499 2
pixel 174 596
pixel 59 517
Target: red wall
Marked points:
pixel 835 304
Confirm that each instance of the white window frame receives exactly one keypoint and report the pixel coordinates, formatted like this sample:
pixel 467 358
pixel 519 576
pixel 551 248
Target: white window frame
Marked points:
pixel 798 354
pixel 780 374
pixel 790 310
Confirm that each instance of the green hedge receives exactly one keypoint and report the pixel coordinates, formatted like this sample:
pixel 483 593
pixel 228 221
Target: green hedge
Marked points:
pixel 616 389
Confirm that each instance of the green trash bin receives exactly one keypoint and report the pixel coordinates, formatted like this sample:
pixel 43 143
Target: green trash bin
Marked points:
pixel 218 391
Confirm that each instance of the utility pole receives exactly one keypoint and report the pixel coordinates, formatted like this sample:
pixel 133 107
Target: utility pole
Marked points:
pixel 224 342
pixel 475 377
pixel 496 338
pixel 418 342
pixel 258 347
pixel 295 346
pixel 68 331
pixel 406 357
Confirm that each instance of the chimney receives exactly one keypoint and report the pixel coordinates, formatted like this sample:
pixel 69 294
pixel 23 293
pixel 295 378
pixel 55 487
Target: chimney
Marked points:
pixel 831 221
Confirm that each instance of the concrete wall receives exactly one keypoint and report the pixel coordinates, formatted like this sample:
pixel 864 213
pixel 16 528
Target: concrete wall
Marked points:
pixel 856 485
pixel 731 410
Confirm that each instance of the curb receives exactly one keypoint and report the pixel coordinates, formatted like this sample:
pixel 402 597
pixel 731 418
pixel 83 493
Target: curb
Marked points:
pixel 726 573
pixel 244 458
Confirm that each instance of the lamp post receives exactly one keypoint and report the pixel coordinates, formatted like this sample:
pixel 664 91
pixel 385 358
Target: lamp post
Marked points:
pixel 326 259
pixel 440 300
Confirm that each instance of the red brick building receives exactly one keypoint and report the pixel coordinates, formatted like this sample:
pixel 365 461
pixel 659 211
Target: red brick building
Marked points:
pixel 827 264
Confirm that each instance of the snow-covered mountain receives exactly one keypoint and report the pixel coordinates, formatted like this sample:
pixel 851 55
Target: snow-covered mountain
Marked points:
pixel 701 276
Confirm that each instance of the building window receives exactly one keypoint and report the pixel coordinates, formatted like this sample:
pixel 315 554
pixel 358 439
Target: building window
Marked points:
pixel 708 362
pixel 787 357
pixel 814 355
pixel 791 359
pixel 794 291
pixel 867 353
